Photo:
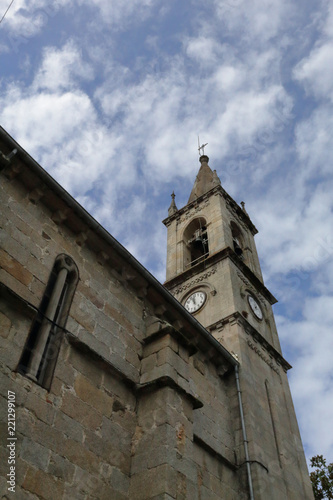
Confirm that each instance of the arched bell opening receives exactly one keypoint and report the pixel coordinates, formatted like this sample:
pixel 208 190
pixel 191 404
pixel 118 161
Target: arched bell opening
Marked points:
pixel 237 239
pixel 196 242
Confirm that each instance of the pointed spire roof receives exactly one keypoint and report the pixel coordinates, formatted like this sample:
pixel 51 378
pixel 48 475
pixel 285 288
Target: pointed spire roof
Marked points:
pixel 173 208
pixel 205 180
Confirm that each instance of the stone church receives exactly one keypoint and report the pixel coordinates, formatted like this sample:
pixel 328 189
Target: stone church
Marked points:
pixel 116 387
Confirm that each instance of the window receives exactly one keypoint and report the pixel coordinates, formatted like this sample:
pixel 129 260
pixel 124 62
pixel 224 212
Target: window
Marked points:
pixel 196 242
pixel 42 347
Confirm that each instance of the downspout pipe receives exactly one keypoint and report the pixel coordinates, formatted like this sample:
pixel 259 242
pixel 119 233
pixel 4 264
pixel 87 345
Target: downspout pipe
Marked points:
pixel 246 450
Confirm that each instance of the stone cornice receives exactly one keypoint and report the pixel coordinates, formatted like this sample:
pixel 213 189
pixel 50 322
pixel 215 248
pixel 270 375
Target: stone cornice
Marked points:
pixel 217 190
pixel 256 337
pixel 213 259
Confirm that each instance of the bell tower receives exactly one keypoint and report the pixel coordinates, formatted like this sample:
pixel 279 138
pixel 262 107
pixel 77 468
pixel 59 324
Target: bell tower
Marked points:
pixel 213 269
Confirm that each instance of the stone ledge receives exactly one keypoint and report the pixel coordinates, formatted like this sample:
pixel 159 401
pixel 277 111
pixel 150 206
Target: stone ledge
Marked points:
pixel 21 304
pixel 200 442
pixel 166 381
pixel 86 349
pixel 250 330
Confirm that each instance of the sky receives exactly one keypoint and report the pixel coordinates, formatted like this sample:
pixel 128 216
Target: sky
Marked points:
pixel 110 97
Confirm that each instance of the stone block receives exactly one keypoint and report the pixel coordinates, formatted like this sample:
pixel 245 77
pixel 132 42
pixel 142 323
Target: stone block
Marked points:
pixel 108 493
pixel 47 436
pixel 19 288
pixel 148 363
pixel 43 484
pixel 167 355
pixel 116 387
pixel 112 432
pixel 119 481
pixel 166 341
pixel 80 312
pixel 69 426
pixel 96 398
pixel 35 454
pixel 13 267
pixel 133 358
pixel 108 451
pixel 25 421
pixel 81 363
pixel 78 454
pixel 80 411
pixel 86 484
pixel 161 480
pixel 126 419
pixel 14 250
pixel 61 468
pixel 91 295
pixel 199 365
pixel 165 370
pixel 42 408
pixel 154 438
pixel 5 325
pixel 119 318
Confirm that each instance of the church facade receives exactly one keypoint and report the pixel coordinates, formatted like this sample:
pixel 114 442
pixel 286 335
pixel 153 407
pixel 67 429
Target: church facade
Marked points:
pixel 114 386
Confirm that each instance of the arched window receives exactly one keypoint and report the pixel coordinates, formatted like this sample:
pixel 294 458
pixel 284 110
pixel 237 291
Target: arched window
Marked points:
pixel 42 347
pixel 196 242
pixel 237 239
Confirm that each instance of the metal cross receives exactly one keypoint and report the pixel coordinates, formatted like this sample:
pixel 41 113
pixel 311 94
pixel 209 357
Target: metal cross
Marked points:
pixel 201 147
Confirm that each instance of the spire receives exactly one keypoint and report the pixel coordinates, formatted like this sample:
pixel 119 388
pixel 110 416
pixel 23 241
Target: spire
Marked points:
pixel 205 180
pixel 173 208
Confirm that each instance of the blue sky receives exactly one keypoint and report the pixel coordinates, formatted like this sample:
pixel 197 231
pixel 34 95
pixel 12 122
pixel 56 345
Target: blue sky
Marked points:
pixel 110 96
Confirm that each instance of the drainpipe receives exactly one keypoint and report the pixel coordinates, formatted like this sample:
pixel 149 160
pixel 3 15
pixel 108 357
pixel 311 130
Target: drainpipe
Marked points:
pixel 247 459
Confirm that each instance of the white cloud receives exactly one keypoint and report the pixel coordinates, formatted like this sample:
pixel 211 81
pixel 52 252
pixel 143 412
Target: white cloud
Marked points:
pixel 120 13
pixel 26 18
pixel 311 342
pixel 256 20
pixel 316 71
pixel 61 68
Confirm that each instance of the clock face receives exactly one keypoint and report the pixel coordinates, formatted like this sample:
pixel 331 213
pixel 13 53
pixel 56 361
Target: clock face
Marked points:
pixel 255 307
pixel 195 301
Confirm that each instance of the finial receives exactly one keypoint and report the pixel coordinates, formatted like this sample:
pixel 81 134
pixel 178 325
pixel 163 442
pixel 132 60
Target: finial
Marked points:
pixel 173 208
pixel 243 207
pixel 201 147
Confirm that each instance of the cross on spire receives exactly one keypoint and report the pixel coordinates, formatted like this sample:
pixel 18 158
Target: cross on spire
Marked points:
pixel 201 147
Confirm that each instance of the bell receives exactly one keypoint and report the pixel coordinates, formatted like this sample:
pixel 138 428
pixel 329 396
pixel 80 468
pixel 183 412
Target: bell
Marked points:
pixel 197 235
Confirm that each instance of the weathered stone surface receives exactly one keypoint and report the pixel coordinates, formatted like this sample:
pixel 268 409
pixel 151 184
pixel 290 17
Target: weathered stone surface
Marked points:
pixel 60 467
pixel 5 325
pixel 80 411
pixel 14 268
pixel 96 398
pixel 41 408
pixel 69 426
pixel 43 485
pixel 35 454
pixel 78 454
pixel 78 361
pixel 161 480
